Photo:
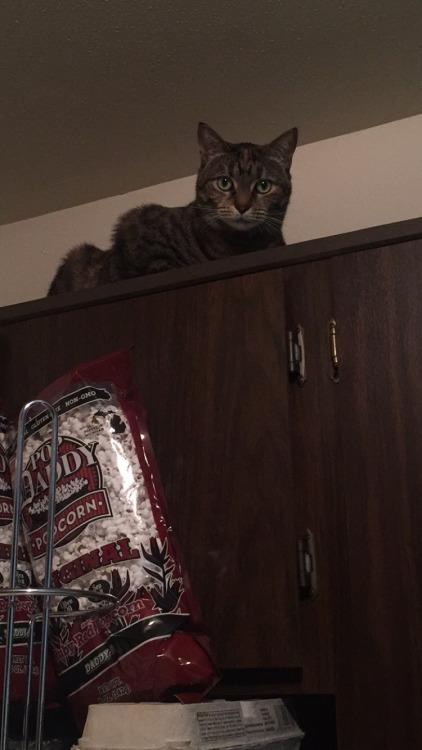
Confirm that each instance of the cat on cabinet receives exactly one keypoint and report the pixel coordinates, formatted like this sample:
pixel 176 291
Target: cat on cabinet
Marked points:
pixel 242 194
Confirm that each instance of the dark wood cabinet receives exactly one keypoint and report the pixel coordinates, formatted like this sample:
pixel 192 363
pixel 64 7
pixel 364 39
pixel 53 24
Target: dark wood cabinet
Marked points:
pixel 379 312
pixel 217 398
pixel 250 461
pixel 358 443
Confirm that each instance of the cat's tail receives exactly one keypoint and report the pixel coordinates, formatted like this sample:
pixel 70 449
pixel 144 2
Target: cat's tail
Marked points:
pixel 75 269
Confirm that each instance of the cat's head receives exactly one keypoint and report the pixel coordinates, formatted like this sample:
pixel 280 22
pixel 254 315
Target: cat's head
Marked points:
pixel 243 185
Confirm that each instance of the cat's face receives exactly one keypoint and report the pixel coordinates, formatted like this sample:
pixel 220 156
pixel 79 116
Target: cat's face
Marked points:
pixel 244 185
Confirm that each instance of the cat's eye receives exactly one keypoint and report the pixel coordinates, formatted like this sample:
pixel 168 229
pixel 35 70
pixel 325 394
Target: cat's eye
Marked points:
pixel 224 183
pixel 263 186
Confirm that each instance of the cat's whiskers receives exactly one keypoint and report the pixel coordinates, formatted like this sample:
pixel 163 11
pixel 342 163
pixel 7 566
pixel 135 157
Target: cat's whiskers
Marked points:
pixel 271 225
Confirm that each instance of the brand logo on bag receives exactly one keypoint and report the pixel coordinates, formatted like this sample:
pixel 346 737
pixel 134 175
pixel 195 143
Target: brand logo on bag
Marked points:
pixel 6 506
pixel 80 495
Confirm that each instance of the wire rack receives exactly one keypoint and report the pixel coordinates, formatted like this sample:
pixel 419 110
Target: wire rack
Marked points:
pixel 45 594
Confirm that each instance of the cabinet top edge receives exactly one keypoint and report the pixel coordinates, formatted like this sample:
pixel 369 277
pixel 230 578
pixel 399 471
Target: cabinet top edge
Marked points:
pixel 262 260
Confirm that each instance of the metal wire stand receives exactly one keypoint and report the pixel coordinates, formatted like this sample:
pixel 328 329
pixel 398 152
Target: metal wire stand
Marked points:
pixel 46 593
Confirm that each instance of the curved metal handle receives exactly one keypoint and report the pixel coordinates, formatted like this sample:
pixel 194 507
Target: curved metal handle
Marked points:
pixel 17 508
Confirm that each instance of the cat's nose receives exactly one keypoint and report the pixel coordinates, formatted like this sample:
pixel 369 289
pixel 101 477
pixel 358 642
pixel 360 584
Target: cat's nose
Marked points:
pixel 242 207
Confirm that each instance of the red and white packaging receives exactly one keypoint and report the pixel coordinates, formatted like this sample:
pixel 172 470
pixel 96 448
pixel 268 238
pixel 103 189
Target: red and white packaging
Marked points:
pixel 112 535
pixel 25 606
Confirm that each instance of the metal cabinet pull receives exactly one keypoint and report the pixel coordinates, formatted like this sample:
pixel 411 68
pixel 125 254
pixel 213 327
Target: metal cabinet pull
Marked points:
pixel 332 328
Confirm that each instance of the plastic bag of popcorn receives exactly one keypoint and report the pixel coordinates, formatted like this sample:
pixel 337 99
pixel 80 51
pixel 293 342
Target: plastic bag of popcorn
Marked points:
pixel 111 535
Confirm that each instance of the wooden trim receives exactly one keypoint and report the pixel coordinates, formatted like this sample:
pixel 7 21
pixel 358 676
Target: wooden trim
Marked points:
pixel 263 260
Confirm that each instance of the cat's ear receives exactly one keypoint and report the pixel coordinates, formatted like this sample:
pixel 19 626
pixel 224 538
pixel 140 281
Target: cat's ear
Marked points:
pixel 209 142
pixel 283 147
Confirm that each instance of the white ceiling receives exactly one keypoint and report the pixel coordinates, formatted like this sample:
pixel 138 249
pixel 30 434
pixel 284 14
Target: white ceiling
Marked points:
pixel 100 97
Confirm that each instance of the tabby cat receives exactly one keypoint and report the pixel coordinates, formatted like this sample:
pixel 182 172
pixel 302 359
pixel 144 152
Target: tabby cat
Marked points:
pixel 242 194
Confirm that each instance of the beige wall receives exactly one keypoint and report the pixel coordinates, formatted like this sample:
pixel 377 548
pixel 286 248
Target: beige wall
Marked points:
pixel 354 181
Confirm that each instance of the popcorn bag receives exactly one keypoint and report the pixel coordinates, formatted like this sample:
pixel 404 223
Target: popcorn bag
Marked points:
pixel 112 536
pixel 25 606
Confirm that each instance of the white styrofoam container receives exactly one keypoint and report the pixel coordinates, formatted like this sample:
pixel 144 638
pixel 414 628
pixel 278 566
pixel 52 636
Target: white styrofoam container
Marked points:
pixel 141 726
pixel 204 726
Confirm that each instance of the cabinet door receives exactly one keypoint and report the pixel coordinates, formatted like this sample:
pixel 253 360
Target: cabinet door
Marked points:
pixel 211 361
pixel 379 315
pixel 218 413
